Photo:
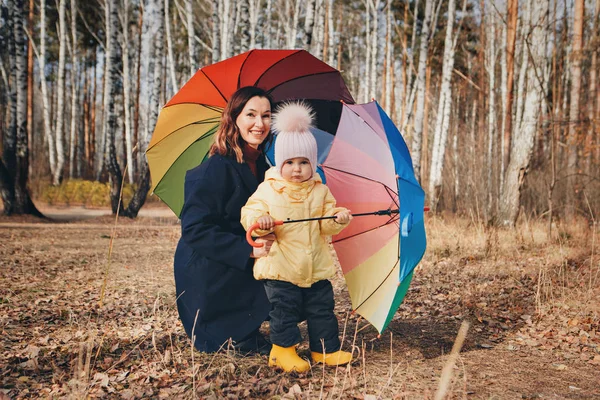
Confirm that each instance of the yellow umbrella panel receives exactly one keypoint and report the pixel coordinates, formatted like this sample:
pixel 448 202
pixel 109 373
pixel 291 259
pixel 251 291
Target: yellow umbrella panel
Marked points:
pixel 180 142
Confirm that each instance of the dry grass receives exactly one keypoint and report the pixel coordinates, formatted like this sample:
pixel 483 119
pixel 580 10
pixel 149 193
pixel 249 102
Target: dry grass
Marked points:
pixel 531 299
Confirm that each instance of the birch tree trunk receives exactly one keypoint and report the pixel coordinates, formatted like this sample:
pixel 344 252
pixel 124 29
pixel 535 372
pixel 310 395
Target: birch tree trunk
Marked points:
pixel 139 197
pixel 309 23
pixel 491 70
pixel 574 120
pixel 131 168
pixel 330 34
pixel 110 94
pixel 367 81
pixel 244 25
pixel 511 36
pixel 510 200
pixel 74 91
pixel 442 124
pixel 422 69
pixel 190 37
pixel 44 86
pixel 15 174
pixel 60 101
pixel 254 10
pixel 388 89
pixel 267 28
pixel 375 37
pixel 174 84
pixel 216 31
pixel 30 126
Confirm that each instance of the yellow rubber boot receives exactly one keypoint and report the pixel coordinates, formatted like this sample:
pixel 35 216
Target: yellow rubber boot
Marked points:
pixel 337 358
pixel 287 359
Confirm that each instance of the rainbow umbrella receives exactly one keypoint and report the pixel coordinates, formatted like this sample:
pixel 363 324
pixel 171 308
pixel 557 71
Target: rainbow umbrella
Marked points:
pixel 186 124
pixel 368 169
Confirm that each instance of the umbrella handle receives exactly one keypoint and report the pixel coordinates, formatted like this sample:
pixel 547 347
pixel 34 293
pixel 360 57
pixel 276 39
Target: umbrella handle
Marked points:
pixel 252 228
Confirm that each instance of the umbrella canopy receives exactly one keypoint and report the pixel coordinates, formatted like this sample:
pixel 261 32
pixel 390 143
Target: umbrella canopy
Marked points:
pixel 367 168
pixel 186 124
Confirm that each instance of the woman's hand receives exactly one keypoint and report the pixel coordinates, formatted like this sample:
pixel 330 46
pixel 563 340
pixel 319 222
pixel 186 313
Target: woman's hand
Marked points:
pixel 266 222
pixel 343 217
pixel 267 240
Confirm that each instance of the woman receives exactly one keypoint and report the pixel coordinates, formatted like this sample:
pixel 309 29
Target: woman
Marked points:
pixel 217 296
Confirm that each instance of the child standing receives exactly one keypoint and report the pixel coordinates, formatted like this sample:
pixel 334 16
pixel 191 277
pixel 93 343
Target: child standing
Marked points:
pixel 296 271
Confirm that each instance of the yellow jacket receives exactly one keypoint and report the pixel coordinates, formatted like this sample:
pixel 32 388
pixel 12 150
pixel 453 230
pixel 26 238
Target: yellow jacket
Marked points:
pixel 300 254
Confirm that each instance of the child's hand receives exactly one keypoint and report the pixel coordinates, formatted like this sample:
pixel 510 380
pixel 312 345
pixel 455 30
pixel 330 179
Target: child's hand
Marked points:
pixel 343 217
pixel 266 222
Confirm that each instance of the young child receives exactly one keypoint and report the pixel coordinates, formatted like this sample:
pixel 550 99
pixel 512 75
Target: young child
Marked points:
pixel 296 271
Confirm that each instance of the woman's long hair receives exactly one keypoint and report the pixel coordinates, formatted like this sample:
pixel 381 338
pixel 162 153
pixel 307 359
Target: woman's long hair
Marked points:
pixel 228 140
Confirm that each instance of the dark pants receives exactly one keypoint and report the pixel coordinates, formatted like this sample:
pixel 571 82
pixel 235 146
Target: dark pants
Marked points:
pixel 291 305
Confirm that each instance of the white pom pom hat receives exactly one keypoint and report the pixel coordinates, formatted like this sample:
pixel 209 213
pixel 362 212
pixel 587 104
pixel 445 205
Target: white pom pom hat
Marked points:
pixel 292 123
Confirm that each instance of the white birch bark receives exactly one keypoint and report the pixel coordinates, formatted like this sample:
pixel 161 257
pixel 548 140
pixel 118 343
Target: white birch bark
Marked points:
pixel 191 33
pixel 387 101
pixel 375 40
pixel 44 86
pixel 367 82
pixel 244 25
pixel 318 31
pixel 421 70
pixel 127 92
pixel 309 23
pixel 254 11
pixel 442 124
pixel 524 132
pixel 491 70
pixel 110 94
pixel 574 117
pixel 216 31
pixel 60 102
pixel 267 28
pixel 171 57
pixel 503 92
pixel 74 99
pixel 331 34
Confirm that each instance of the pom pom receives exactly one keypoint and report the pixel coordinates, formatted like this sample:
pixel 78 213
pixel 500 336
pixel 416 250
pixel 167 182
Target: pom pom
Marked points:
pixel 293 117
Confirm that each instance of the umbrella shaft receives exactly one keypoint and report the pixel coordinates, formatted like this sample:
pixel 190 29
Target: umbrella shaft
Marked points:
pixel 380 212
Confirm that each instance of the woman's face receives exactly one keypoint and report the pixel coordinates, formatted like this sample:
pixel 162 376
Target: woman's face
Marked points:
pixel 254 122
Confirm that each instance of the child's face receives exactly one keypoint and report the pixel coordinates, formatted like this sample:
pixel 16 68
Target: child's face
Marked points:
pixel 296 169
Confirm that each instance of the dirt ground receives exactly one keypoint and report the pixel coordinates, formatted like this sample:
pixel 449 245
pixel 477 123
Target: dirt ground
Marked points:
pixel 87 309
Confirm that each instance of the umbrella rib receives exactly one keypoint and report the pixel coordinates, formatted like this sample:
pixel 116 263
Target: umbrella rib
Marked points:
pixel 381 284
pixel 214 85
pixel 392 219
pixel 242 67
pixel 359 176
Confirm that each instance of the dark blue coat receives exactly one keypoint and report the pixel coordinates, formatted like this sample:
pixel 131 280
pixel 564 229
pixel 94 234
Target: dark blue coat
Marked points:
pixel 213 268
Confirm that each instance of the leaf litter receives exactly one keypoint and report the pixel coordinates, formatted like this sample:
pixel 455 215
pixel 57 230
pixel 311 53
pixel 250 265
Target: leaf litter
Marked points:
pixel 535 329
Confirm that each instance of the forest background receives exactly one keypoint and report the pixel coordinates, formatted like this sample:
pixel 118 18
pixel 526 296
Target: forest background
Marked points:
pixel 497 100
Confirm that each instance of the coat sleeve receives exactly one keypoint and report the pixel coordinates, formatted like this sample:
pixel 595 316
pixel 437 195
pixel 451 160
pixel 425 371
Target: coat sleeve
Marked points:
pixel 328 226
pixel 255 208
pixel 203 225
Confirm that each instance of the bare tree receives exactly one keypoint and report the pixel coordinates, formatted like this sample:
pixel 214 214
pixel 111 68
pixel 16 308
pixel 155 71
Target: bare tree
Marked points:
pixel 131 168
pixel 525 126
pixel 74 92
pixel 511 36
pixel 14 165
pixel 309 23
pixel 244 25
pixel 421 70
pixel 60 96
pixel 189 12
pixel 576 55
pixel 444 106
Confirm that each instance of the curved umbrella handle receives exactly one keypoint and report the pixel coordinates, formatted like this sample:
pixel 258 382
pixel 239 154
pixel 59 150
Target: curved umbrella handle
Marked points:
pixel 251 229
